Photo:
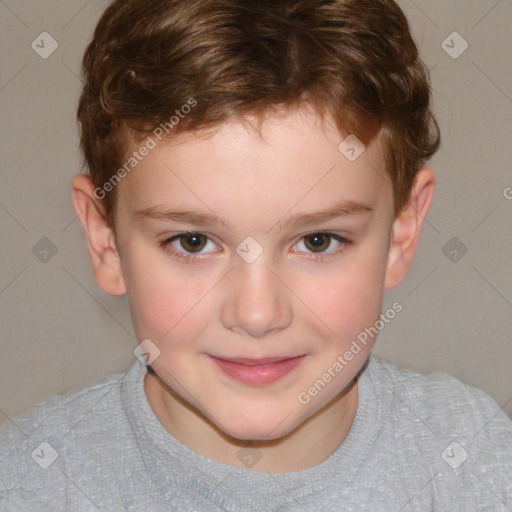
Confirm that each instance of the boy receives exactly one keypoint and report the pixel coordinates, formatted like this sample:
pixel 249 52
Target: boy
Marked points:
pixel 256 181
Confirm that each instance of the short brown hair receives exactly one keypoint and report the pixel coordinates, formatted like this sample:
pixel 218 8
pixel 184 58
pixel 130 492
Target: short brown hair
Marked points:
pixel 353 59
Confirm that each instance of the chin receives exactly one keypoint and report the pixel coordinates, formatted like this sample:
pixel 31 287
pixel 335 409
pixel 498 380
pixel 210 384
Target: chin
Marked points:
pixel 258 427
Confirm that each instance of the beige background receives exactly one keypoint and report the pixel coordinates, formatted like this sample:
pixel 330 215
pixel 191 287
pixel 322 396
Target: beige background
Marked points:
pixel 59 332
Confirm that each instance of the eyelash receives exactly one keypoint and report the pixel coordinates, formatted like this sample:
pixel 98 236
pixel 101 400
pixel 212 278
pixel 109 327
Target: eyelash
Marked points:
pixel 180 256
pixel 322 256
pixel 189 258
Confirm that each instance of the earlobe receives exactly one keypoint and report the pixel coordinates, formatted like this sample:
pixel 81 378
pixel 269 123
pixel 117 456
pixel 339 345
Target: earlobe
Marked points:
pixel 407 227
pixel 100 238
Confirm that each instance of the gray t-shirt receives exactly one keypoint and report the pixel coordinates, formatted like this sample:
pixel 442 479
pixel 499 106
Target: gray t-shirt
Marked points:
pixel 417 444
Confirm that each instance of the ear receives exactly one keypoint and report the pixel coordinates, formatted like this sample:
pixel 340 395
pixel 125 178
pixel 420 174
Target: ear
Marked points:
pixel 100 238
pixel 406 228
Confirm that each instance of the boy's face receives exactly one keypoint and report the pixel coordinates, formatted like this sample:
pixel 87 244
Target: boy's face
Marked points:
pixel 256 277
pixel 305 296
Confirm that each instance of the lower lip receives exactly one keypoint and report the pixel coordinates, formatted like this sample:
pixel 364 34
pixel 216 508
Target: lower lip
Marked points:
pixel 257 375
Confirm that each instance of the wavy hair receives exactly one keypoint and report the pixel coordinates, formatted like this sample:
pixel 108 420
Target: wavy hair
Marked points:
pixel 352 59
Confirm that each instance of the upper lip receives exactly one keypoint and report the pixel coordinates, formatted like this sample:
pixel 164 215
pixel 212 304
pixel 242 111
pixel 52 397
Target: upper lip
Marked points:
pixel 256 362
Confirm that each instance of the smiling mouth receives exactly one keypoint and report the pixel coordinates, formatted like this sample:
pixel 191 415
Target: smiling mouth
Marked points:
pixel 257 362
pixel 257 371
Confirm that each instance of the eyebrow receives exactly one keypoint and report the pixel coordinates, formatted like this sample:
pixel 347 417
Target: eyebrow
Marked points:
pixel 182 216
pixel 343 209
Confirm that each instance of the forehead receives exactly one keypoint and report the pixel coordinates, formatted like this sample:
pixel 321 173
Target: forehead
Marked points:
pixel 289 160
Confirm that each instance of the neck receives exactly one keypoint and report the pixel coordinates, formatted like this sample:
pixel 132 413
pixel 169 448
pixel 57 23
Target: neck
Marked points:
pixel 306 446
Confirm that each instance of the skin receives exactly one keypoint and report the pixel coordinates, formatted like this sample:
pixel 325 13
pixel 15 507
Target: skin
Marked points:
pixel 296 298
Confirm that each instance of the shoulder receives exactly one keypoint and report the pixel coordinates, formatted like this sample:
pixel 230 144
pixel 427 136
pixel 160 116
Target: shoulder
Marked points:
pixel 457 431
pixel 60 413
pixel 439 398
pixel 36 447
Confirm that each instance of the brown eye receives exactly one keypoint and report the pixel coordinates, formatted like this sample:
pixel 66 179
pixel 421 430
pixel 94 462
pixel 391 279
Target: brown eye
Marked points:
pixel 190 246
pixel 193 242
pixel 317 242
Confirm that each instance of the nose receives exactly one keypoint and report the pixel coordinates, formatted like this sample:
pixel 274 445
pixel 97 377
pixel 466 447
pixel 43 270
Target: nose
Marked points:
pixel 256 301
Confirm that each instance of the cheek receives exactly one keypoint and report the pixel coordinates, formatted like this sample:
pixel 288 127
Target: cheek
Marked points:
pixel 349 299
pixel 164 299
